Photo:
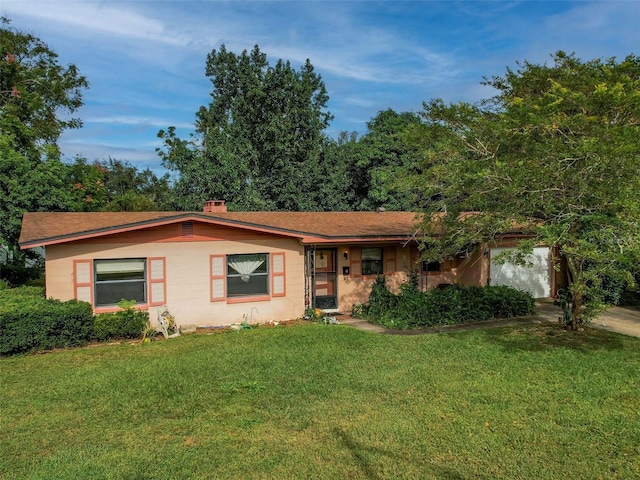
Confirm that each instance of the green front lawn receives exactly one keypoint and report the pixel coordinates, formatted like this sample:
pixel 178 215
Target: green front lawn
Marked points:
pixel 314 401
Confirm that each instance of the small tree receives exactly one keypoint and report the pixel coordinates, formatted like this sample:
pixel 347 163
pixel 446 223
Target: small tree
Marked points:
pixel 555 152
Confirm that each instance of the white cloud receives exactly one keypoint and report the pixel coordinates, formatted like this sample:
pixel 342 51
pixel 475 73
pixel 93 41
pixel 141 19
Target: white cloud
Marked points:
pixel 335 39
pixel 394 61
pixel 145 58
pixel 137 121
pixel 117 19
pixel 94 150
pixel 358 101
pixel 590 29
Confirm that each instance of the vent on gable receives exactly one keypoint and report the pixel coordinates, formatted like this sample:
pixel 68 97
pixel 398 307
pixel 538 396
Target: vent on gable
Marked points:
pixel 187 229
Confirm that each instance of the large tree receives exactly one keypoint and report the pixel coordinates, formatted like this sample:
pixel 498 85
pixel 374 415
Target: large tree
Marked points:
pixel 380 156
pixel 37 94
pixel 37 97
pixel 25 186
pixel 556 152
pixel 258 143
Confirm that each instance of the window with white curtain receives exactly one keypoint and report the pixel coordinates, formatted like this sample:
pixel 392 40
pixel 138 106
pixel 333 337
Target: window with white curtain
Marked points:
pixel 119 279
pixel 247 275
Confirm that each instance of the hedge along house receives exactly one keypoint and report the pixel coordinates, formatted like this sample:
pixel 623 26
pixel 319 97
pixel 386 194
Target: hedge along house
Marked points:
pixel 216 267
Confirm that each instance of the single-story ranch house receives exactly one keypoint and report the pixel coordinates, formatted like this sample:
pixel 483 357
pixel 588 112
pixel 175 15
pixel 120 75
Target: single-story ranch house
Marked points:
pixel 214 267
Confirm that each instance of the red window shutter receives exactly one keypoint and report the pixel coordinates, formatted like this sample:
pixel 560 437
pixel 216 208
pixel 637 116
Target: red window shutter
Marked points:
pixel 355 264
pixel 157 277
pixel 278 274
pixel 218 281
pixel 83 280
pixel 389 260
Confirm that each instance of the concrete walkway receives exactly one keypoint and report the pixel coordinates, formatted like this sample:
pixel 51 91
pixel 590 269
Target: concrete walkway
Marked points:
pixel 615 319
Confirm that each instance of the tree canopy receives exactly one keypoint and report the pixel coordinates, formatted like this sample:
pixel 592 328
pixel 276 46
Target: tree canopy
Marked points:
pixel 34 91
pixel 115 185
pixel 376 159
pixel 38 97
pixel 554 152
pixel 258 142
pixel 37 94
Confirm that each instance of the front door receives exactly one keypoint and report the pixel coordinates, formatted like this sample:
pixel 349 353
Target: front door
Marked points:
pixel 325 279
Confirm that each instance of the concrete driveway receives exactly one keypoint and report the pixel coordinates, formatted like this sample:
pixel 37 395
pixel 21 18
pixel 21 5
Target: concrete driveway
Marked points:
pixel 615 319
pixel 620 320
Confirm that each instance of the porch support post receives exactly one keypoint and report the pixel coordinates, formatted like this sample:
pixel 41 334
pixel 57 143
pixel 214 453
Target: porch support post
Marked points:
pixel 310 276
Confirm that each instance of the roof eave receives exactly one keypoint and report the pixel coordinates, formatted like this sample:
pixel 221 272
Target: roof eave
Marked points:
pixel 94 233
pixel 302 236
pixel 355 239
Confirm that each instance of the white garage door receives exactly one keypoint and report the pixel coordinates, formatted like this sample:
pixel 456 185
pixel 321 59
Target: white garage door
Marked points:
pixel 535 279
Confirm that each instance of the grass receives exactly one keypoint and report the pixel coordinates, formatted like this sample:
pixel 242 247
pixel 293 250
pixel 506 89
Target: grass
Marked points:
pixel 314 401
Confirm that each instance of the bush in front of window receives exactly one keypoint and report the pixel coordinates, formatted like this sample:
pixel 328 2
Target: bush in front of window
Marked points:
pixel 30 322
pixel 381 299
pixel 125 323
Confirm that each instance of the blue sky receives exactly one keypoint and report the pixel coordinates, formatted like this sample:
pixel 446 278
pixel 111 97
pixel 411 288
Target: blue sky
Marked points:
pixel 145 59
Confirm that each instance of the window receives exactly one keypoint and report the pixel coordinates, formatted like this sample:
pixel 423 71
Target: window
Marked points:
pixel 432 267
pixel 118 279
pixel 247 275
pixel 371 261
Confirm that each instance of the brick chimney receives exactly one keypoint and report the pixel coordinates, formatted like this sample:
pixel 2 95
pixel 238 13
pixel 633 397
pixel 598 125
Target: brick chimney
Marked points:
pixel 214 206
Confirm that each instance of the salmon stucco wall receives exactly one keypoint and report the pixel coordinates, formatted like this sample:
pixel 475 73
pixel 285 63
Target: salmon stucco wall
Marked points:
pixel 429 280
pixel 471 270
pixel 355 289
pixel 188 276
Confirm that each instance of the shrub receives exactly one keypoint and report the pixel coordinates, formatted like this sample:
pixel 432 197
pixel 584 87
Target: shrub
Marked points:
pixel 608 284
pixel 381 299
pixel 358 310
pixel 125 323
pixel 13 297
pixel 30 322
pixel 452 305
pixel 508 302
pixel 613 289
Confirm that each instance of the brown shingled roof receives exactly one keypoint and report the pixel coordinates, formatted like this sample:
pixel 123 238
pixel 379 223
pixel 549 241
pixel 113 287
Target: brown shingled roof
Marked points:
pixel 46 228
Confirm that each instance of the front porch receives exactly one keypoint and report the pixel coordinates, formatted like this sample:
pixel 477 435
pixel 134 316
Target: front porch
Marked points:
pixel 338 276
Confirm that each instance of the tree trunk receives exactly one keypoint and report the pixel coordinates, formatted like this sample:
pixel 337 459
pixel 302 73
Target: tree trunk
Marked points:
pixel 576 310
pixel 576 289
